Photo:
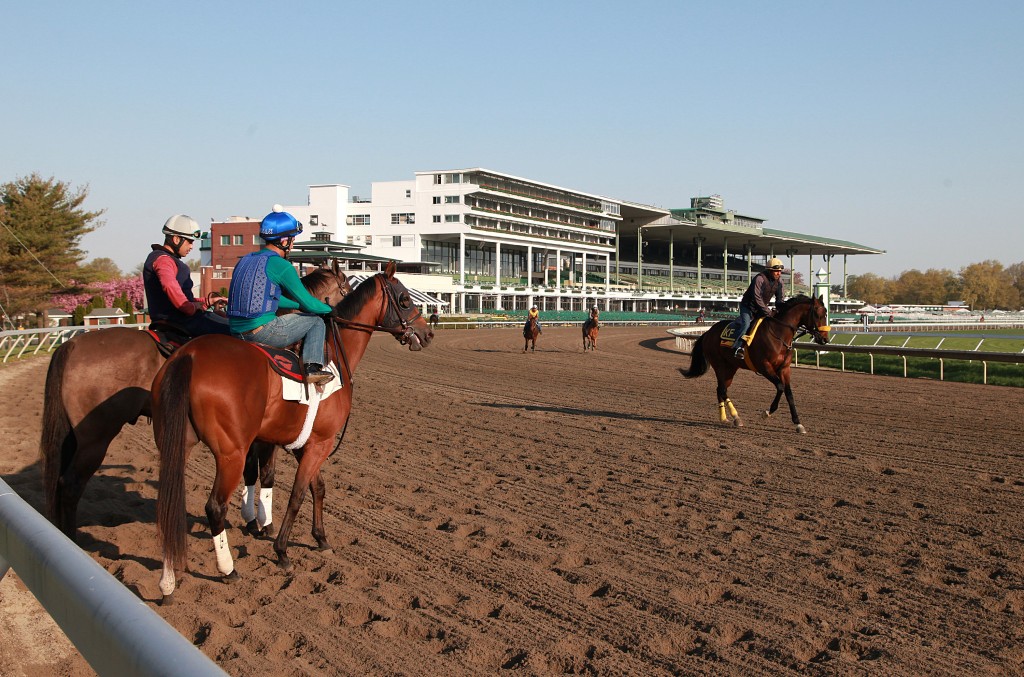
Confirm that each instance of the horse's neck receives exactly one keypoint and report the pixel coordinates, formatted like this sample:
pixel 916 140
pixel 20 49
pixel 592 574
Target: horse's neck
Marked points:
pixel 794 317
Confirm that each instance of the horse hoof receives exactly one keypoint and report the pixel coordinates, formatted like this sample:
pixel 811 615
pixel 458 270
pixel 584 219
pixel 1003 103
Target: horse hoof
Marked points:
pixel 253 529
pixel 233 577
pixel 285 563
pixel 800 429
pixel 270 531
pixel 766 414
pixel 167 600
pixel 737 423
pixel 324 547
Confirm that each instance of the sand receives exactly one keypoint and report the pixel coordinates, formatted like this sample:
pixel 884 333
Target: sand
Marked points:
pixel 568 512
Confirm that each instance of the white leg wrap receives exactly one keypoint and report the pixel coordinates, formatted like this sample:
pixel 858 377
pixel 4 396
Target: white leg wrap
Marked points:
pixel 224 562
pixel 167 580
pixel 248 503
pixel 265 512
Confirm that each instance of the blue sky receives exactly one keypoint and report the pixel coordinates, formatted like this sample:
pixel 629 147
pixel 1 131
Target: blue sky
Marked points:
pixel 897 125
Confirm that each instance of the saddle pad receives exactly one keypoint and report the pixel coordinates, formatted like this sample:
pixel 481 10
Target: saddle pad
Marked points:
pixel 729 333
pixel 294 391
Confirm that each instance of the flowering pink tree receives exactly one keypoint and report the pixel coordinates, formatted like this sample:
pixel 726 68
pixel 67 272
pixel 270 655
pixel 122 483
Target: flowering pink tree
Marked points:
pixel 130 287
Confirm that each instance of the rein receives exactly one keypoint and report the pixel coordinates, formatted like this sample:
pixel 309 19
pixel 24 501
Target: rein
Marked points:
pixel 404 333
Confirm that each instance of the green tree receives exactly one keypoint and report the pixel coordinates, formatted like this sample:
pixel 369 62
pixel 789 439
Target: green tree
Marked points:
pixel 1016 273
pixel 988 285
pixel 927 288
pixel 99 270
pixel 869 288
pixel 41 225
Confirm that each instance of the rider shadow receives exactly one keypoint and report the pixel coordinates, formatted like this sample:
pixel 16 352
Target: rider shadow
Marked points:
pixel 589 412
pixel 107 502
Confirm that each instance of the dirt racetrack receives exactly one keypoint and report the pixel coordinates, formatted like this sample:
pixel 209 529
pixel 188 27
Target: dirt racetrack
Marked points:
pixel 562 512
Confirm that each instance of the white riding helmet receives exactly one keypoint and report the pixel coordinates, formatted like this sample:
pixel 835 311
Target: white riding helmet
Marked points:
pixel 182 226
pixel 775 264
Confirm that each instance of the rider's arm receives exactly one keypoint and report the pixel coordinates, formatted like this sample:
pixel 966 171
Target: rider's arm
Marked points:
pixel 759 290
pixel 166 269
pixel 295 295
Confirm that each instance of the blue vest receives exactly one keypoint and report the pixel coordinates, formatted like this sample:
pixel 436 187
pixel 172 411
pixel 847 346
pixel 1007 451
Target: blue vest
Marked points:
pixel 252 291
pixel 160 307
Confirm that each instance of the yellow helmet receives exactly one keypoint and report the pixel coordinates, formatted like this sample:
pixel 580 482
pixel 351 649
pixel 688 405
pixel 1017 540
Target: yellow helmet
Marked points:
pixel 775 264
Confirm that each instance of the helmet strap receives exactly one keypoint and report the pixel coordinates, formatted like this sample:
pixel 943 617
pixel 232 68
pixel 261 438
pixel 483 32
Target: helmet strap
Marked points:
pixel 169 241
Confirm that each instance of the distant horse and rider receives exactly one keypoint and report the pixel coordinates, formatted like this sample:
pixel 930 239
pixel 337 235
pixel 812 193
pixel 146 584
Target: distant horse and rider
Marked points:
pixel 768 352
pixel 198 396
pixel 590 328
pixel 531 330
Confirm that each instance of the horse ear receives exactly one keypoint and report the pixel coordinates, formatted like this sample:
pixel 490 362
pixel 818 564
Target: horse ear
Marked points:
pixel 392 267
pixel 335 267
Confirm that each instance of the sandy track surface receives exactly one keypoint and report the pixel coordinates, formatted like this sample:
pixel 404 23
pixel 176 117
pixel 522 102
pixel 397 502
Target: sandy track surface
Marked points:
pixel 561 512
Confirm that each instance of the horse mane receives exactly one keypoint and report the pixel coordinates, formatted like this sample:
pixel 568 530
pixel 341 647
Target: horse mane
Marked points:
pixel 792 301
pixel 318 283
pixel 353 303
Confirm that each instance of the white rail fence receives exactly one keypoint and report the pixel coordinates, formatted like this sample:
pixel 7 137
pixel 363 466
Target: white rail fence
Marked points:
pixel 112 628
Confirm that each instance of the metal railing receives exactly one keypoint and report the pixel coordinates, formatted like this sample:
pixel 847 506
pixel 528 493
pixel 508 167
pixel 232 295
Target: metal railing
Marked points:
pixel 113 629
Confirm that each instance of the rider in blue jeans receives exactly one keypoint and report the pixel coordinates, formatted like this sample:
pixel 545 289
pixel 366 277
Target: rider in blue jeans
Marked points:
pixel 264 281
pixel 765 287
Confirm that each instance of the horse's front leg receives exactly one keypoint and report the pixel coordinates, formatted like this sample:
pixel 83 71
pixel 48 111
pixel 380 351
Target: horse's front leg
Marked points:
pixel 310 459
pixel 318 490
pixel 792 410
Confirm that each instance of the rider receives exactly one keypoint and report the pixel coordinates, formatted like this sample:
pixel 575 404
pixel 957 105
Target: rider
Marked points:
pixel 595 314
pixel 534 314
pixel 766 286
pixel 264 281
pixel 168 282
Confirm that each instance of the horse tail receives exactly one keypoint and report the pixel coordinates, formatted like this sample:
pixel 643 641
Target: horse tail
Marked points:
pixel 173 414
pixel 57 441
pixel 698 361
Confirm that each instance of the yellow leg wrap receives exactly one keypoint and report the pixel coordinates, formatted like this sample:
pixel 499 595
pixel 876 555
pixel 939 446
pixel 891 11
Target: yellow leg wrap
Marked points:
pixel 732 409
pixel 721 412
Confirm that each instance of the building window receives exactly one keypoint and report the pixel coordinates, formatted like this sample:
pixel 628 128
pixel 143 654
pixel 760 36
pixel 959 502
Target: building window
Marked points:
pixel 256 239
pixel 398 219
pixel 396 240
pixel 239 239
pixel 437 179
pixel 451 218
pixel 437 218
pixel 225 240
pixel 369 239
pixel 451 199
pixel 408 193
pixel 314 220
pixel 358 220
pixel 437 199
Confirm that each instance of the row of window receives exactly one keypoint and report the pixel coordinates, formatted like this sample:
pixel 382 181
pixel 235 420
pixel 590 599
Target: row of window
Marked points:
pixel 229 240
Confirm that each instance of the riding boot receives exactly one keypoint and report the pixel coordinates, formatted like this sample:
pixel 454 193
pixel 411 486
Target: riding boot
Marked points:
pixel 738 353
pixel 316 374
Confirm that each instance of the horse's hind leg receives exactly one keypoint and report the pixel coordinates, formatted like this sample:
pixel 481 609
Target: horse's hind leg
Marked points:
pixel 725 405
pixel 229 474
pixel 257 507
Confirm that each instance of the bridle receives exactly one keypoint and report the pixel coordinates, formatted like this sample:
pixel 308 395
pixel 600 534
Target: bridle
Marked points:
pixel 818 332
pixel 405 332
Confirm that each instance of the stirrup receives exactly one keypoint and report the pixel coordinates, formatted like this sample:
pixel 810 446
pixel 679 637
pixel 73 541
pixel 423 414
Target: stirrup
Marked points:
pixel 317 375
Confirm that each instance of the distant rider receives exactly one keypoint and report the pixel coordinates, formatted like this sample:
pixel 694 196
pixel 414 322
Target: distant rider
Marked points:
pixel 534 314
pixel 765 287
pixel 168 282
pixel 264 281
pixel 595 315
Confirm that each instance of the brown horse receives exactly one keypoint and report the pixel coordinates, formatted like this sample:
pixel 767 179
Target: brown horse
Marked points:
pixel 223 392
pixel 531 330
pixel 590 328
pixel 769 353
pixel 96 383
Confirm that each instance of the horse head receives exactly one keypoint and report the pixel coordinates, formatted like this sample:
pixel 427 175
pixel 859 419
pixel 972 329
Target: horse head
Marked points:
pixel 816 320
pixel 397 314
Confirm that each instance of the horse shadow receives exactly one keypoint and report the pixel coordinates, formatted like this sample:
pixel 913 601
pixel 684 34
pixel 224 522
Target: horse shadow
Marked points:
pixel 571 411
pixel 655 344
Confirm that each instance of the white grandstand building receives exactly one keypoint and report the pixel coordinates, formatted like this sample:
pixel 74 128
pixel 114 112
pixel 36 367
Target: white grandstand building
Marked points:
pixel 480 240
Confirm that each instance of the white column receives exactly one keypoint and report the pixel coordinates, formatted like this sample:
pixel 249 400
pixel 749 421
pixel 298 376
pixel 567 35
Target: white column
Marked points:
pixel 584 274
pixel 462 261
pixel 497 274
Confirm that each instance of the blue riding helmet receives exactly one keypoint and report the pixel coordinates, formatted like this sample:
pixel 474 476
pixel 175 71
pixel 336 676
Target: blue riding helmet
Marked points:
pixel 278 225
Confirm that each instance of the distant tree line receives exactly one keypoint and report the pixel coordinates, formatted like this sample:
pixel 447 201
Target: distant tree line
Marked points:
pixel 987 285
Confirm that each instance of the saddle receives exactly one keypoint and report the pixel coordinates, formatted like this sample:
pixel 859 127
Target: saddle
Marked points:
pixel 729 333
pixel 283 361
pixel 168 336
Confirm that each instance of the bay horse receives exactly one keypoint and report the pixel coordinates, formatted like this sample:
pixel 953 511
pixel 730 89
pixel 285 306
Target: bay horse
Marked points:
pixel 530 333
pixel 590 334
pixel 98 382
pixel 223 392
pixel 769 353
